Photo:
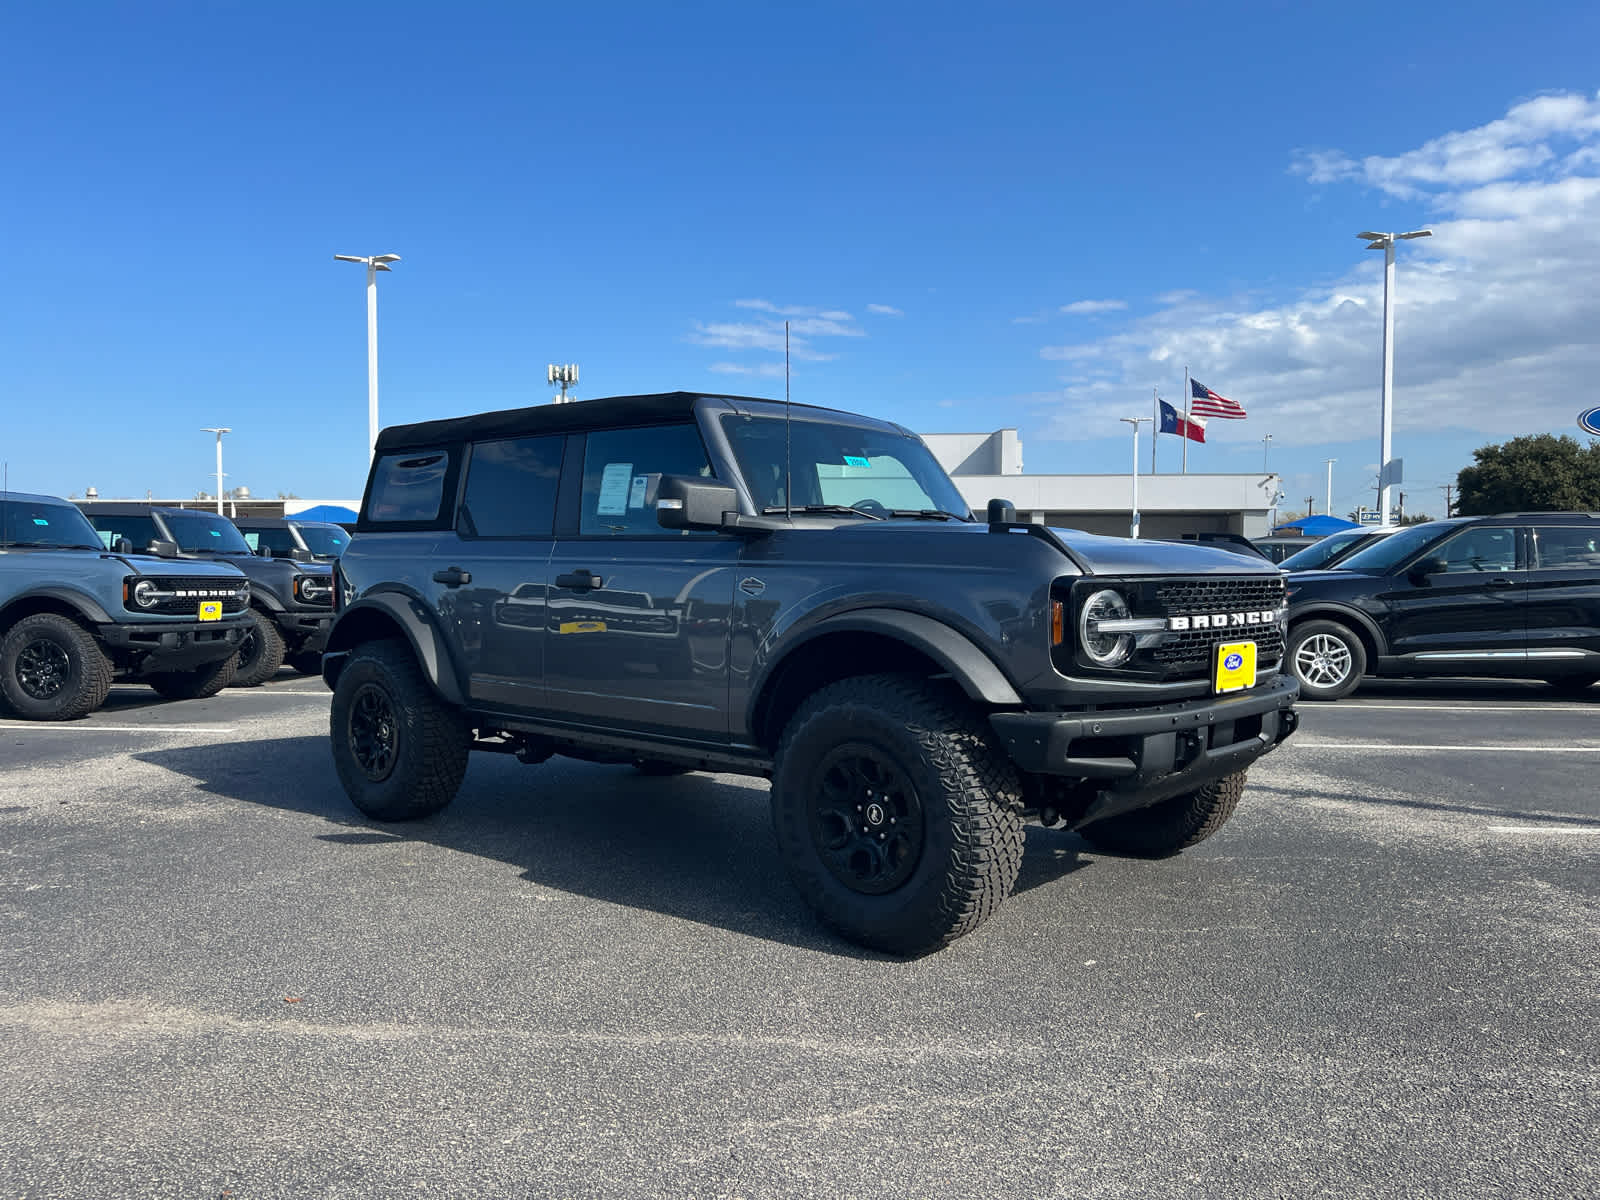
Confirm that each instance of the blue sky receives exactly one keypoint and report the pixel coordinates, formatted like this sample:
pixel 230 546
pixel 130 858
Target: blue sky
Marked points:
pixel 1019 214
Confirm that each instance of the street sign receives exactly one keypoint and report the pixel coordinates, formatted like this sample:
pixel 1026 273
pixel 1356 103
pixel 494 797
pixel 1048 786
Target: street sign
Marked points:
pixel 1589 421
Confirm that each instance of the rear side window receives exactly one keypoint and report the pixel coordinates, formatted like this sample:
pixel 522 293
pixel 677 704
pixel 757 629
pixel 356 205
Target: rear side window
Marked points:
pixel 617 466
pixel 408 488
pixel 1565 547
pixel 511 488
pixel 279 541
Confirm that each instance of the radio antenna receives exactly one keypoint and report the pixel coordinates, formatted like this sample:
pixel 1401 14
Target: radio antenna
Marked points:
pixel 788 457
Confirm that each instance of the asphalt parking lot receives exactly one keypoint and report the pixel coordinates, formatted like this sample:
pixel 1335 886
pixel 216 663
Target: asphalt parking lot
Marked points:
pixel 218 980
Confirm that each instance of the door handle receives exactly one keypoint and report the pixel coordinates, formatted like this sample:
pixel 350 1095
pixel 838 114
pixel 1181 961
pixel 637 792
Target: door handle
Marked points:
pixel 582 580
pixel 452 577
pixel 1499 583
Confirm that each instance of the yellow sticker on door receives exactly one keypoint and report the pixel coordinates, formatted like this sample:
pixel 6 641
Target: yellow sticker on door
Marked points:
pixel 1236 666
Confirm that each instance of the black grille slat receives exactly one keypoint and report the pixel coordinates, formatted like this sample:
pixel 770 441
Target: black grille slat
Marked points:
pixel 188 606
pixel 1183 596
pixel 1191 653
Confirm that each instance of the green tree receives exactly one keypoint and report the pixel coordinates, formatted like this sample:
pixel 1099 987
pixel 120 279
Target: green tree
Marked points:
pixel 1537 473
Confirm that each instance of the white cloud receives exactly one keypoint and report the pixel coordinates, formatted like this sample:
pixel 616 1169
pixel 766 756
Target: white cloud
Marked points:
pixel 885 310
pixel 1083 308
pixel 761 370
pixel 766 335
pixel 1494 316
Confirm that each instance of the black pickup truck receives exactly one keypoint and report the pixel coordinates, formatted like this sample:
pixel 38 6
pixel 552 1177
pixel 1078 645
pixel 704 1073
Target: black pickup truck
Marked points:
pixel 694 582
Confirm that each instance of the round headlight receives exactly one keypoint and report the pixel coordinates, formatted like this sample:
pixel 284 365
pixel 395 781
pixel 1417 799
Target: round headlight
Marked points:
pixel 1105 649
pixel 146 594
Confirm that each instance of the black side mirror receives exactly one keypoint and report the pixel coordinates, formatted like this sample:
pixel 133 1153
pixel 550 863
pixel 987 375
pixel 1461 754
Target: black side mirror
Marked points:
pixel 163 549
pixel 263 551
pixel 299 555
pixel 689 502
pixel 122 546
pixel 1422 568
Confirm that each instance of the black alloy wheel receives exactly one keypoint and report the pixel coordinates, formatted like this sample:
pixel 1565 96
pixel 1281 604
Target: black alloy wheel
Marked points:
pixel 866 820
pixel 373 732
pixel 43 669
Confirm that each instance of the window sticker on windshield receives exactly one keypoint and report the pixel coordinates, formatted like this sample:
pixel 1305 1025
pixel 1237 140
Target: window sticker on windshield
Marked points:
pixel 641 484
pixel 852 460
pixel 214 532
pixel 614 483
pixel 40 521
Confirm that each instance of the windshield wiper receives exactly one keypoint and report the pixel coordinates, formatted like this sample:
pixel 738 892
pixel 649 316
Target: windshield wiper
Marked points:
pixel 36 545
pixel 928 514
pixel 839 509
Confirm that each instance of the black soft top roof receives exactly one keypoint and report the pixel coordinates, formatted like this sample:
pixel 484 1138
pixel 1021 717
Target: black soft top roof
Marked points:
pixel 619 411
pixel 134 508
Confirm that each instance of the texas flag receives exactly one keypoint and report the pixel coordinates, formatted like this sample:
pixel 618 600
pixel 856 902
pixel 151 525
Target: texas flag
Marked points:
pixel 1173 421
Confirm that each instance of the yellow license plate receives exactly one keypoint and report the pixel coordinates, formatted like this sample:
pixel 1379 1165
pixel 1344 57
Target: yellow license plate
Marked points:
pixel 211 610
pixel 1236 666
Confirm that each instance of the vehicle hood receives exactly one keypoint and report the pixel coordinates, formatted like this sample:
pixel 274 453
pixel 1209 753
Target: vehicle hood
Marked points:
pixel 192 567
pixel 80 561
pixel 1141 556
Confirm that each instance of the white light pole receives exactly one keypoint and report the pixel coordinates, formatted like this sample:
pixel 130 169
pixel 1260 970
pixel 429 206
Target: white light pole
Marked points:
pixel 1266 445
pixel 1133 524
pixel 1385 242
pixel 375 263
pixel 219 431
pixel 1330 462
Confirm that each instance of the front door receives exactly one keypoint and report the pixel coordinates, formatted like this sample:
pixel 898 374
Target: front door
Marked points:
pixel 1462 605
pixel 636 630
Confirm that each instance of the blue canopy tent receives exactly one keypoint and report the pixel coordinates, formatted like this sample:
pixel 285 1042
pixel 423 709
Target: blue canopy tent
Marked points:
pixel 337 513
pixel 1315 526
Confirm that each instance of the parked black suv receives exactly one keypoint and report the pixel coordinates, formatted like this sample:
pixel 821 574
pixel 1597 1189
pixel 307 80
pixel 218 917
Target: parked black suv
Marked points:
pixel 291 602
pixel 711 582
pixel 286 537
pixel 1516 595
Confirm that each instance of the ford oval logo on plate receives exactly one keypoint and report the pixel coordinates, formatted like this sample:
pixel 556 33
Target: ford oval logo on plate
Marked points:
pixel 1233 662
pixel 1589 421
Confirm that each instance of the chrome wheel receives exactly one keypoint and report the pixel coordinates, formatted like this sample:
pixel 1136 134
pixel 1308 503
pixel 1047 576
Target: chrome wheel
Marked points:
pixel 1323 660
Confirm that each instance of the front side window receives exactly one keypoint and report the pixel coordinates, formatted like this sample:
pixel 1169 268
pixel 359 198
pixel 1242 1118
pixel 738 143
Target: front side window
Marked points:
pixel 325 541
pixel 617 468
pixel 837 464
pixel 1566 547
pixel 511 488
pixel 1486 548
pixel 277 541
pixel 408 488
pixel 30 523
pixel 1387 553
pixel 139 530
pixel 198 532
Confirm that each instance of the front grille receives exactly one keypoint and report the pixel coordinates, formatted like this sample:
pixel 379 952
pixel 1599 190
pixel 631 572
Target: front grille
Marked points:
pixel 1191 653
pixel 186 593
pixel 1178 597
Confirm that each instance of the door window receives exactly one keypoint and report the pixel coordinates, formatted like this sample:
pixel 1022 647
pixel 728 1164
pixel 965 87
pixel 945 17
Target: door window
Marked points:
pixel 408 488
pixel 1485 548
pixel 1566 547
pixel 617 466
pixel 140 530
pixel 511 488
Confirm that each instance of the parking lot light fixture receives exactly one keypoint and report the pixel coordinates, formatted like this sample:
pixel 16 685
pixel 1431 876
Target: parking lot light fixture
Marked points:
pixel 1385 242
pixel 219 431
pixel 374 264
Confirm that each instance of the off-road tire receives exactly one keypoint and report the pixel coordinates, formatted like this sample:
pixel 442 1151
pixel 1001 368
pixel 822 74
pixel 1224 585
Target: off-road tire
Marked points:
pixel 196 684
pixel 261 652
pixel 657 768
pixel 52 669
pixel 1335 644
pixel 1171 825
pixel 400 750
pixel 1574 685
pixel 935 749
pixel 306 662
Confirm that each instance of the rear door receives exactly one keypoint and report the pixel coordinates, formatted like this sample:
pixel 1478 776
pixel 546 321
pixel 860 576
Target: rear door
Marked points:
pixel 1563 594
pixel 637 619
pixel 1465 603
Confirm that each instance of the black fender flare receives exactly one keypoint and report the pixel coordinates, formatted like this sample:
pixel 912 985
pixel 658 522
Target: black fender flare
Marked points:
pixel 265 598
pixel 967 664
pixel 414 621
pixel 1320 611
pixel 85 604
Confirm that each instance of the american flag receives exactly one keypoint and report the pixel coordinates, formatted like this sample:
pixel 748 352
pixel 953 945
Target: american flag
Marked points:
pixel 1206 403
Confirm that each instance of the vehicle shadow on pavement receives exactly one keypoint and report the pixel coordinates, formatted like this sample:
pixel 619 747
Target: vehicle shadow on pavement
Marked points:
pixel 698 847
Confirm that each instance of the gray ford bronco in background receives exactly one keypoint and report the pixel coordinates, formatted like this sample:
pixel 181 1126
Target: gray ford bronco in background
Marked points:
pixel 291 601
pixel 73 615
pixel 691 582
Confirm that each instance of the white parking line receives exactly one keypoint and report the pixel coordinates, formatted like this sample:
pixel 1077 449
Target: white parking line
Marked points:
pixel 1381 746
pixel 1531 706
pixel 1580 829
pixel 46 727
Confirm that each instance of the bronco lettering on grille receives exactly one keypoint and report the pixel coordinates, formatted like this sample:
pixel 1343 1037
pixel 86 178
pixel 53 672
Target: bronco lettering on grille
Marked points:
pixel 1236 620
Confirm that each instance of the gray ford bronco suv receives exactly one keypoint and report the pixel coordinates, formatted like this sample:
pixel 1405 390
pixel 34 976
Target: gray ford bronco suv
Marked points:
pixel 695 582
pixel 291 599
pixel 74 613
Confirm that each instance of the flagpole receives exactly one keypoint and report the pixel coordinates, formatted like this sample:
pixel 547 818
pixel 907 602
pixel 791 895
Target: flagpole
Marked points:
pixel 1186 391
pixel 1155 427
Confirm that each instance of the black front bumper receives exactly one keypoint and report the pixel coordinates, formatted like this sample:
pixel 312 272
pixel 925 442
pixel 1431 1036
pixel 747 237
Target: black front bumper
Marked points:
pixel 304 630
pixel 172 645
pixel 1140 755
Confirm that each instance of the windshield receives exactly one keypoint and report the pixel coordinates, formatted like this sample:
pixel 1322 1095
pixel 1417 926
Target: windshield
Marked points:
pixel 1385 553
pixel 205 533
pixel 1315 556
pixel 874 470
pixel 325 541
pixel 40 523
